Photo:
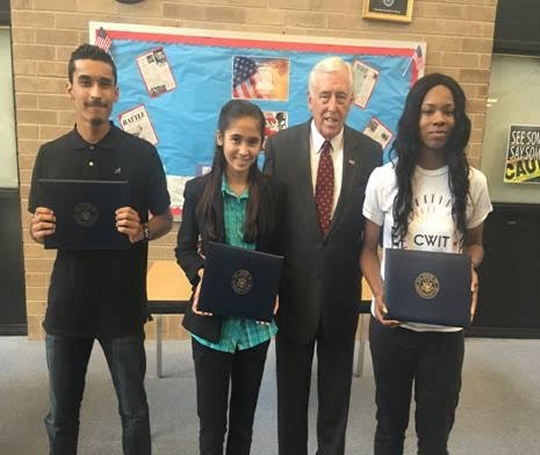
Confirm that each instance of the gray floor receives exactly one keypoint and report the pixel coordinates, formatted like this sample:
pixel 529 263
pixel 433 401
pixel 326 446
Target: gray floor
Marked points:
pixel 498 413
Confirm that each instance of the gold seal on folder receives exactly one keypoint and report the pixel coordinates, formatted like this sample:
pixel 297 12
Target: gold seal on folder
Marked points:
pixel 242 282
pixel 427 285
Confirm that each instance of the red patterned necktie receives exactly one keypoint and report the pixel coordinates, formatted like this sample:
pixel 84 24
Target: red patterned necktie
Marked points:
pixel 324 188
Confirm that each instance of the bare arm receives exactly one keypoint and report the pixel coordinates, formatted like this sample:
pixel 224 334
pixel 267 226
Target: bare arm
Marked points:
pixel 371 268
pixel 473 245
pixel 474 248
pixel 128 222
pixel 159 225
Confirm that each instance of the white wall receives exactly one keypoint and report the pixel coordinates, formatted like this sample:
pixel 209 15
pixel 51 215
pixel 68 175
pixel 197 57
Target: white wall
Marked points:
pixel 8 156
pixel 514 98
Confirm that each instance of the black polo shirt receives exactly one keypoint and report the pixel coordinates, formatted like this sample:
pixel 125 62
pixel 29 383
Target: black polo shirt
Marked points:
pixel 101 292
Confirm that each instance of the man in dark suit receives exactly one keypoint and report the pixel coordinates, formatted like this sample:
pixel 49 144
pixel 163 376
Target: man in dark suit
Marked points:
pixel 322 236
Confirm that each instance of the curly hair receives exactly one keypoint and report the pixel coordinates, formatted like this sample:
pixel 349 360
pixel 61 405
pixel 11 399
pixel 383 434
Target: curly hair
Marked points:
pixel 407 148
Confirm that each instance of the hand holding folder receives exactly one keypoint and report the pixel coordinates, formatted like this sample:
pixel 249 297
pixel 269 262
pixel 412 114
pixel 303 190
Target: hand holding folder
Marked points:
pixel 239 282
pixel 428 287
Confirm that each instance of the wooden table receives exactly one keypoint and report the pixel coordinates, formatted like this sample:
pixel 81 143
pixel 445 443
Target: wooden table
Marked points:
pixel 169 291
pixel 167 282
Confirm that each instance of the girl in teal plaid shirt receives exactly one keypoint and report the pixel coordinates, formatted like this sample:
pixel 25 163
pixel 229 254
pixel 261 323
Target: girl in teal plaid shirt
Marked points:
pixel 234 204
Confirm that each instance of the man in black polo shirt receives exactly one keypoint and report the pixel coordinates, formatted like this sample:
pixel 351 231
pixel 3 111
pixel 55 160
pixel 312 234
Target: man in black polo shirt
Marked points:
pixel 99 294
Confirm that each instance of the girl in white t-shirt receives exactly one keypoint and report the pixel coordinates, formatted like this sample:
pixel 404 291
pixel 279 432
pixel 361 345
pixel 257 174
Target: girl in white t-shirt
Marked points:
pixel 428 198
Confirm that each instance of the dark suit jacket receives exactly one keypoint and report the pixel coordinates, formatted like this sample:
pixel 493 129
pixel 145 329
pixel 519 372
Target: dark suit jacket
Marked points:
pixel 321 275
pixel 193 234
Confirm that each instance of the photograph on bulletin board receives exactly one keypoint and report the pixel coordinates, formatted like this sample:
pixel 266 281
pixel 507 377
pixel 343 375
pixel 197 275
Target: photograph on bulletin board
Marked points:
pixel 173 82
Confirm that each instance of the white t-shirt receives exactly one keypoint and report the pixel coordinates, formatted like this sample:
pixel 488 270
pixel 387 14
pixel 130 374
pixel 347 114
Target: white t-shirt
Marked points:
pixel 432 227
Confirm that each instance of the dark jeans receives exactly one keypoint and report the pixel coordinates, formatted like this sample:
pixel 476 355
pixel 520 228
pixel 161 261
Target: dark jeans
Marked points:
pixel 214 371
pixel 67 361
pixel 433 362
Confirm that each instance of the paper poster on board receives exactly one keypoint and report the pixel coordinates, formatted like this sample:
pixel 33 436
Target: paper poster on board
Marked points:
pixel 376 130
pixel 156 72
pixel 523 154
pixel 364 77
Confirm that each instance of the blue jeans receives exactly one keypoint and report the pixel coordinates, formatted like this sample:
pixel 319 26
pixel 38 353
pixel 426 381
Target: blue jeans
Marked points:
pixel 67 361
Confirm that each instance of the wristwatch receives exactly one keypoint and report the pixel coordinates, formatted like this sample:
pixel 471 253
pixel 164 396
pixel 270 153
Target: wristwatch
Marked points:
pixel 146 232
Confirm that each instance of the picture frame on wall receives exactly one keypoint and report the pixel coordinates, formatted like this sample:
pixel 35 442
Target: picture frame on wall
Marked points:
pixel 388 10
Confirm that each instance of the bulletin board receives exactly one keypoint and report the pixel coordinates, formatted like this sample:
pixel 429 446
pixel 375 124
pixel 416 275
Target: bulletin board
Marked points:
pixel 173 82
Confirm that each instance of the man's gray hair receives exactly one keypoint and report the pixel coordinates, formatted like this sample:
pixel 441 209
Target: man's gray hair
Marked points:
pixel 330 65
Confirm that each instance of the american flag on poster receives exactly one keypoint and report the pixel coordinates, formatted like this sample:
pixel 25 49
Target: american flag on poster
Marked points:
pixel 245 78
pixel 419 62
pixel 418 59
pixel 103 40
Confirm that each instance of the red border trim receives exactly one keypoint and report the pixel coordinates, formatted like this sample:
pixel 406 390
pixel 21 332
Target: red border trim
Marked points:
pixel 261 44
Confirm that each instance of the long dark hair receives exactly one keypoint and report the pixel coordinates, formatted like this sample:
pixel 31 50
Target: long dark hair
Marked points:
pixel 407 148
pixel 259 218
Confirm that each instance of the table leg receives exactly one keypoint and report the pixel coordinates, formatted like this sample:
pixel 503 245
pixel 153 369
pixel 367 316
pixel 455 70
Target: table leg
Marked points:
pixel 159 330
pixel 359 368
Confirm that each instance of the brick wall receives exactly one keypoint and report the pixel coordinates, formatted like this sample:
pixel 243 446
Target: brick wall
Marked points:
pixel 459 36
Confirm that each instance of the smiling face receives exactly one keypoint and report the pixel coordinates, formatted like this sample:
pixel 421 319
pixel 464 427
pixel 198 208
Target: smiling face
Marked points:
pixel 436 118
pixel 241 143
pixel 329 101
pixel 94 92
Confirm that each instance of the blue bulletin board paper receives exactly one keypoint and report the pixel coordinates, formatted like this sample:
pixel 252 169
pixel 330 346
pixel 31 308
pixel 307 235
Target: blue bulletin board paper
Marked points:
pixel 173 82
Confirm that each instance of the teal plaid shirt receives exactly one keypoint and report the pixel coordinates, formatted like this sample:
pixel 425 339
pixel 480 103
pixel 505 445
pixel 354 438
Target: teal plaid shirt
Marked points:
pixel 238 334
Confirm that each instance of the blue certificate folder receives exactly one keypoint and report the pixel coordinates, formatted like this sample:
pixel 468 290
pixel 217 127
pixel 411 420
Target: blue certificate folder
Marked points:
pixel 85 213
pixel 239 282
pixel 428 287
